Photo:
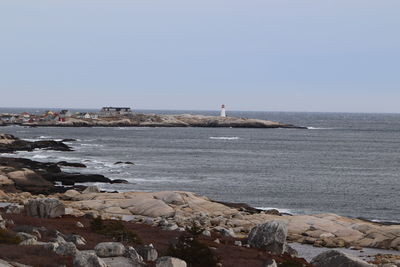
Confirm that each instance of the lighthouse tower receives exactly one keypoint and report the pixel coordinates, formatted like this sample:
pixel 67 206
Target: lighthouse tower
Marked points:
pixel 223 114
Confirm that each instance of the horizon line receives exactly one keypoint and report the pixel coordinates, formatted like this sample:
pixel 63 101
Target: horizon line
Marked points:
pixel 216 110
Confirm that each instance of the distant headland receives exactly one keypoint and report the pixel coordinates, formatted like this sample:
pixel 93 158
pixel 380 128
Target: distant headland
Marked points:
pixel 125 117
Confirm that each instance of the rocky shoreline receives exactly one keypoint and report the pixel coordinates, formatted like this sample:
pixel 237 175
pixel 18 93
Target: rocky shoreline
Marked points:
pixel 28 188
pixel 25 175
pixel 156 120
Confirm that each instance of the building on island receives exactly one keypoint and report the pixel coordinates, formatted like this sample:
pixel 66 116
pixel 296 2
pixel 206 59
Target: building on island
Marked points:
pixel 65 113
pixel 115 111
pixel 223 113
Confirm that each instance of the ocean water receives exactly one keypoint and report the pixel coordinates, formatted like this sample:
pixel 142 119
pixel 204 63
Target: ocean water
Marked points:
pixel 347 164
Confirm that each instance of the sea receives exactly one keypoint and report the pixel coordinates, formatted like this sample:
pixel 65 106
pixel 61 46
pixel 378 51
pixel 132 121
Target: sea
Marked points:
pixel 344 163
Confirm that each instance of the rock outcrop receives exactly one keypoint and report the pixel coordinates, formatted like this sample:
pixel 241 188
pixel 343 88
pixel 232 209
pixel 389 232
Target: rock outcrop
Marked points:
pixel 40 177
pixel 10 143
pixel 45 208
pixel 158 120
pixel 110 249
pixel 270 236
pixel 170 262
pixel 82 259
pixel 334 258
pixel 175 209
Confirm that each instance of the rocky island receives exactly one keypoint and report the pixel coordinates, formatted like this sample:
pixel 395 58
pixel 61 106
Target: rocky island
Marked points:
pixel 83 226
pixel 136 120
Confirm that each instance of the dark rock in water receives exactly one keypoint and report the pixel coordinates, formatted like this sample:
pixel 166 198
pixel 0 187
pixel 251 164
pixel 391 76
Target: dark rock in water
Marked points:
pixel 126 162
pixel 71 164
pixel 51 145
pixel 66 178
pixel 41 176
pixel 20 163
pixel 119 181
pixel 10 143
pixel 68 183
pixel 68 140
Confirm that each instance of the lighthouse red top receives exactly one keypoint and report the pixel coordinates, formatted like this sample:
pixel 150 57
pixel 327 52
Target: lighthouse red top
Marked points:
pixel 222 106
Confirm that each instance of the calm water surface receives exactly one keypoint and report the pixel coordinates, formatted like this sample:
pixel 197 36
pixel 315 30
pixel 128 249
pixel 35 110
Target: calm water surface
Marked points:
pixel 346 163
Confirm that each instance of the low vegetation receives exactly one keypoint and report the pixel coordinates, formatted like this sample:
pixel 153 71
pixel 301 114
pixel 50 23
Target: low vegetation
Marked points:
pixel 115 230
pixel 7 237
pixel 190 249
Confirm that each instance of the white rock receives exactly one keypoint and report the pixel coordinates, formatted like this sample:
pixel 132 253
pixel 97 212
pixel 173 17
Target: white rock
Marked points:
pixel 120 262
pixel 110 249
pixel 206 233
pixel 87 260
pixel 66 249
pixel 170 262
pixel 45 208
pixel 238 243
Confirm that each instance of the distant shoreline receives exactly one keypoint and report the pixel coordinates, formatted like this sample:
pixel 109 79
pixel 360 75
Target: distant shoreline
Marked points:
pixel 156 120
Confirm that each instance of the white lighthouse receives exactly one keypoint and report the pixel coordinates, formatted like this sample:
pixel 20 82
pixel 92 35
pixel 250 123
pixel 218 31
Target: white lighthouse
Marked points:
pixel 223 114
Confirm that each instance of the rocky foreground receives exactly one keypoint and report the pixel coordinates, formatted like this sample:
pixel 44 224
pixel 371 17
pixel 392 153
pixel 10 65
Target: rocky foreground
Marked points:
pixel 257 238
pixel 176 212
pixel 156 120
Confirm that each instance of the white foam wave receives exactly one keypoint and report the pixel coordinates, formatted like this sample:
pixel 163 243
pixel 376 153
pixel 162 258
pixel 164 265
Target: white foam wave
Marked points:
pixel 91 145
pixel 386 221
pixel 224 137
pixel 319 128
pixel 278 209
pixel 31 139
pixel 40 157
pixel 45 137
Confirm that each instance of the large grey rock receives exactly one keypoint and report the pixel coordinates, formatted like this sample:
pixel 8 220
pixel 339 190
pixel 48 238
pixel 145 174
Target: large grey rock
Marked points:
pixel 45 208
pixel 87 260
pixel 110 249
pixel 66 249
pixel 291 251
pixel 29 242
pixel 120 262
pixel 14 209
pixel 149 253
pixel 270 263
pixel 76 239
pixel 170 262
pixel 3 263
pixel 334 258
pixel 270 236
pixel 131 253
pixel 225 232
pixel 27 239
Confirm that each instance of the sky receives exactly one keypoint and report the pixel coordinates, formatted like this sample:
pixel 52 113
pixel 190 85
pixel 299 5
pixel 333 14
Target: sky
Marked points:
pixel 256 55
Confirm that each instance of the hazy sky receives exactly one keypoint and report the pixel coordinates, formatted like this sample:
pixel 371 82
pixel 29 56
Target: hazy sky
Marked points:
pixel 274 55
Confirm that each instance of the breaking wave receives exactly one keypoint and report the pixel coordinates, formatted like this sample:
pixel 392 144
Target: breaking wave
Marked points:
pixel 224 138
